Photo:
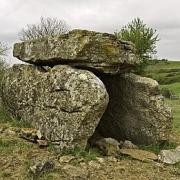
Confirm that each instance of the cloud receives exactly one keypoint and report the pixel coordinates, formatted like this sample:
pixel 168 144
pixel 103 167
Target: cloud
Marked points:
pixel 99 15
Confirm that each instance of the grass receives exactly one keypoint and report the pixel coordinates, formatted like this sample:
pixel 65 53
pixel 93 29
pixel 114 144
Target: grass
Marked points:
pixel 168 75
pixel 88 155
pixel 10 145
pixel 157 148
pixel 7 120
pixel 174 87
pixel 164 72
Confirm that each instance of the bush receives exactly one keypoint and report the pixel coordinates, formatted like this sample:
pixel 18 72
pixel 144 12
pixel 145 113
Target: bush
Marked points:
pixel 144 39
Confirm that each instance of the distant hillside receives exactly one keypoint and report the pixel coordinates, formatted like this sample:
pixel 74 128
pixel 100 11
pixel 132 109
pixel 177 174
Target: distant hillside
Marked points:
pixel 165 72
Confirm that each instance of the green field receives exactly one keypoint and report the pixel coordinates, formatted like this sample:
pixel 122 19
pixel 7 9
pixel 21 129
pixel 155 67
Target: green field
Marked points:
pixel 165 72
pixel 168 76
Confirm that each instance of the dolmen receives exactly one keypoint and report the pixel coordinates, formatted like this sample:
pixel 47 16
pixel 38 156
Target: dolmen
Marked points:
pixel 80 83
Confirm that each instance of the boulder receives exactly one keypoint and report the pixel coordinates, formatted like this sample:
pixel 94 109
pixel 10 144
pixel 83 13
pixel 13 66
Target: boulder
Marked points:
pixel 128 145
pixel 136 110
pixel 63 103
pixel 109 146
pixel 171 156
pixel 80 48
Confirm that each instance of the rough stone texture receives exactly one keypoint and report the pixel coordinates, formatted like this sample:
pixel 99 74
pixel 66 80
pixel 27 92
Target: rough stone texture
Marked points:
pixel 63 103
pixel 139 154
pixel 171 156
pixel 108 146
pixel 136 110
pixel 81 48
pixel 129 145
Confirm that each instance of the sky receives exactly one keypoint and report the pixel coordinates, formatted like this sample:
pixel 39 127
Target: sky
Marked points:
pixel 99 15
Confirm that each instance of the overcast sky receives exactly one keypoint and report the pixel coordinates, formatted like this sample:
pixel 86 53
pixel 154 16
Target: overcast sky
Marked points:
pixel 100 15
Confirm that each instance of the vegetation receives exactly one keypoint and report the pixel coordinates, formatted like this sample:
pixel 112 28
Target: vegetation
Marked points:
pixel 157 148
pixel 46 27
pixel 144 39
pixel 167 73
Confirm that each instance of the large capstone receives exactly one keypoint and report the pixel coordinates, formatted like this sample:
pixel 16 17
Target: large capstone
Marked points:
pixel 64 103
pixel 136 110
pixel 80 48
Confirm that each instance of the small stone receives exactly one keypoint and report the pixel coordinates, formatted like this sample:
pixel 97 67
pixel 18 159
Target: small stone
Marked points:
pixel 100 160
pixel 42 143
pixel 94 164
pixel 109 146
pixel 29 134
pixel 139 154
pixel 171 156
pixel 111 159
pixel 41 166
pixel 66 159
pixel 82 164
pixel 39 135
pixel 9 132
pixel 129 145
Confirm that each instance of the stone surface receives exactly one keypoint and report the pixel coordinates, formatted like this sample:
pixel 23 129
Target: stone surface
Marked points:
pixel 81 48
pixel 171 156
pixel 42 143
pixel 9 132
pixel 136 110
pixel 65 104
pixel 139 154
pixel 66 158
pixel 108 146
pixel 129 145
pixel 29 134
pixel 40 167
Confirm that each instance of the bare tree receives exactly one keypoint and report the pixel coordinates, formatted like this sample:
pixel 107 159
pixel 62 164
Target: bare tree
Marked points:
pixel 46 27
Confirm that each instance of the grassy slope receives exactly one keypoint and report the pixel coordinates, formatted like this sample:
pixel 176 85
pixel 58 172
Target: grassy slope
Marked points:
pixel 164 72
pixel 168 76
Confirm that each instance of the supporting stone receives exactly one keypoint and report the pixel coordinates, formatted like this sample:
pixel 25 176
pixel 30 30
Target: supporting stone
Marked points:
pixel 136 110
pixel 63 103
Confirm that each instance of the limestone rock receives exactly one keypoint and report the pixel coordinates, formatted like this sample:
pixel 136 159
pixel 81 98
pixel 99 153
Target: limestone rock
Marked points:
pixel 108 146
pixel 129 145
pixel 136 110
pixel 65 104
pixel 139 154
pixel 66 158
pixel 40 167
pixel 171 156
pixel 80 48
pixel 29 134
pixel 9 132
pixel 42 143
